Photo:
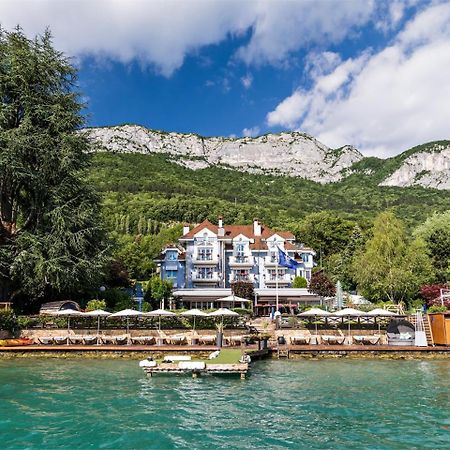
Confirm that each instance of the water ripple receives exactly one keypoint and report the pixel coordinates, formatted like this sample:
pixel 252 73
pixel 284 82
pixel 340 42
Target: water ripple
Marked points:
pixel 338 404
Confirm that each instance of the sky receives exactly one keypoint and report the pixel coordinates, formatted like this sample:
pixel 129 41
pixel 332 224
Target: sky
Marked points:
pixel 373 74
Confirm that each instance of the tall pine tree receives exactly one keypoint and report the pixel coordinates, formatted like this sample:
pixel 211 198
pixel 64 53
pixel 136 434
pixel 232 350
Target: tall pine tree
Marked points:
pixel 51 237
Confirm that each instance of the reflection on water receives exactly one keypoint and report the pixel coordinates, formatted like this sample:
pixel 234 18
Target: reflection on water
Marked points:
pixel 284 404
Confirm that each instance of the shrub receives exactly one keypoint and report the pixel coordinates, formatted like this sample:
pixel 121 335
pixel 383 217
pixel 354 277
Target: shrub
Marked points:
pixel 8 321
pixel 299 282
pixel 92 305
pixel 437 309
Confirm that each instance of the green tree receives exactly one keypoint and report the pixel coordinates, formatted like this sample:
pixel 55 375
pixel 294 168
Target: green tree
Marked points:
pixel 51 238
pixel 158 291
pixel 299 282
pixel 243 289
pixel 325 232
pixel 390 268
pixel 436 234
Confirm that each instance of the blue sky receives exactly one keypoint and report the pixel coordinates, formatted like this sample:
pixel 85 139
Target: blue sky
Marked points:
pixel 368 73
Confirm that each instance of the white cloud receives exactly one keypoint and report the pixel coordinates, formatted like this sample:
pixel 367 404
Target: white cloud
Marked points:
pixel 247 81
pixel 251 132
pixel 160 33
pixel 381 102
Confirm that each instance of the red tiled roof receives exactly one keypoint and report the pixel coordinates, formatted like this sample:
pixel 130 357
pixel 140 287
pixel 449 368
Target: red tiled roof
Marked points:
pixel 231 231
pixel 205 224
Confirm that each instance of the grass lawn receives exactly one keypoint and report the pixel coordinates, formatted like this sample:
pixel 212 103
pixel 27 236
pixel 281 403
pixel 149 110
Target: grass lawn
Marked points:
pixel 227 356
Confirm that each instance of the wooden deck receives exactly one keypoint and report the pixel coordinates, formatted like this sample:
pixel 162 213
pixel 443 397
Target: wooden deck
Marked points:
pixel 365 348
pixel 110 348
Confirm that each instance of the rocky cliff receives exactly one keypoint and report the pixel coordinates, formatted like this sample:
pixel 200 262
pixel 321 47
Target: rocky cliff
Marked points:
pixel 289 153
pixel 428 168
pixel 293 154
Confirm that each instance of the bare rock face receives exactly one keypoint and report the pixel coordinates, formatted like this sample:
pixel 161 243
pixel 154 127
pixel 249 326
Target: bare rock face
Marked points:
pixel 292 154
pixel 428 169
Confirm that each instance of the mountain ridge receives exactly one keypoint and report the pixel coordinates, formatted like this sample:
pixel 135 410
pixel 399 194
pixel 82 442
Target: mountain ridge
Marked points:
pixel 293 154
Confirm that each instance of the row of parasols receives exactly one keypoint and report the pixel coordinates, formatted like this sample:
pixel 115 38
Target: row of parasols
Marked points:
pixel 127 313
pixel 346 313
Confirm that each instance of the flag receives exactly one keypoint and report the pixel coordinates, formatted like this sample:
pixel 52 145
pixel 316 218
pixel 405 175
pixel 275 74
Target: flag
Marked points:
pixel 286 261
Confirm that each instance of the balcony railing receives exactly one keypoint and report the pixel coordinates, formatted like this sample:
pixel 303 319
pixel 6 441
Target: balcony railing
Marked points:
pixel 246 278
pixel 282 279
pixel 240 260
pixel 205 258
pixel 205 278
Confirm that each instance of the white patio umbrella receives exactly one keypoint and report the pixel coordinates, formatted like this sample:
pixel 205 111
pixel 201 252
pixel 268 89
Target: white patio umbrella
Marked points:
pixel 314 312
pixel 159 313
pixel 98 313
pixel 379 312
pixel 68 313
pixel 349 312
pixel 126 313
pixel 232 299
pixel 223 312
pixel 194 313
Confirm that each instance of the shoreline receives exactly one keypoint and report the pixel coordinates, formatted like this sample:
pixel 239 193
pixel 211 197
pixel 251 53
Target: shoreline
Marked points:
pixel 294 353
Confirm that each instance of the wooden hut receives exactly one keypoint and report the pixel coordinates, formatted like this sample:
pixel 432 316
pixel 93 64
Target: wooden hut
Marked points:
pixel 440 327
pixel 53 307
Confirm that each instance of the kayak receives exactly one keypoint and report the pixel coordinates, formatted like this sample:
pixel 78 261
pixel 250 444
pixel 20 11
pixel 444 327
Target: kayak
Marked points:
pixel 15 342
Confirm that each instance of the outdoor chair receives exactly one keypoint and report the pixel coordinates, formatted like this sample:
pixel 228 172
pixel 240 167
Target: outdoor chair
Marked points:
pixel 89 339
pixel 143 340
pixel 47 340
pixel 235 340
pixel 177 339
pixel 108 340
pixel 60 340
pixel 75 339
pixel 371 340
pixel 333 340
pixel 121 340
pixel 208 339
pixel 300 340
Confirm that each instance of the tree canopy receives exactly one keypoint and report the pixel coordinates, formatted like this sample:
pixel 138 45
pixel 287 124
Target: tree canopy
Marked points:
pixel 51 234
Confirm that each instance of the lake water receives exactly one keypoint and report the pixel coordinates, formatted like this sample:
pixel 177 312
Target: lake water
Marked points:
pixel 341 404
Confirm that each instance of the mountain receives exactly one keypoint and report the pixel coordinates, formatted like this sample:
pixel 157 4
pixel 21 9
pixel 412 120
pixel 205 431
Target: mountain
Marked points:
pixel 291 154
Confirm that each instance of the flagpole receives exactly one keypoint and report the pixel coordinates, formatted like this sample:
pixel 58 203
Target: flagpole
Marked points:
pixel 276 278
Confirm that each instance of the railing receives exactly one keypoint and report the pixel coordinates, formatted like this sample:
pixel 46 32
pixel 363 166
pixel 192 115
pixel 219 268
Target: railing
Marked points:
pixel 245 260
pixel 246 278
pixel 200 277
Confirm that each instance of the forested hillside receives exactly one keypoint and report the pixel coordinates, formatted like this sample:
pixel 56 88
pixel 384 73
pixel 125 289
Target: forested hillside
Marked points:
pixel 137 188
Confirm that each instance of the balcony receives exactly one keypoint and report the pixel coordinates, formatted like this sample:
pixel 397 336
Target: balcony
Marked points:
pixel 271 280
pixel 242 261
pixel 203 259
pixel 248 278
pixel 270 261
pixel 198 277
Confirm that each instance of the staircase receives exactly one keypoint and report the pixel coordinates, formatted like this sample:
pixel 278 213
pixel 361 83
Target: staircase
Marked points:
pixel 426 326
pixel 282 351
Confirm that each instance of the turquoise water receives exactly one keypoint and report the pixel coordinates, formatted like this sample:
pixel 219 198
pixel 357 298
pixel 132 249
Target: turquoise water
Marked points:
pixel 342 404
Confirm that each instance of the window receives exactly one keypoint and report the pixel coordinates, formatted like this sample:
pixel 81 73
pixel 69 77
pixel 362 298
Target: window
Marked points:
pixel 305 257
pixel 239 252
pixel 172 256
pixel 205 273
pixel 171 273
pixel 273 274
pixel 205 254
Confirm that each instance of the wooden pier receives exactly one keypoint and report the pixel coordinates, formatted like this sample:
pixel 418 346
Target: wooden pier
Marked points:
pixel 209 369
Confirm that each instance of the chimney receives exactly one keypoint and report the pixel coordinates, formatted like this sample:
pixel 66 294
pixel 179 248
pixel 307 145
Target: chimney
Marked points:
pixel 221 231
pixel 256 227
pixel 185 229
